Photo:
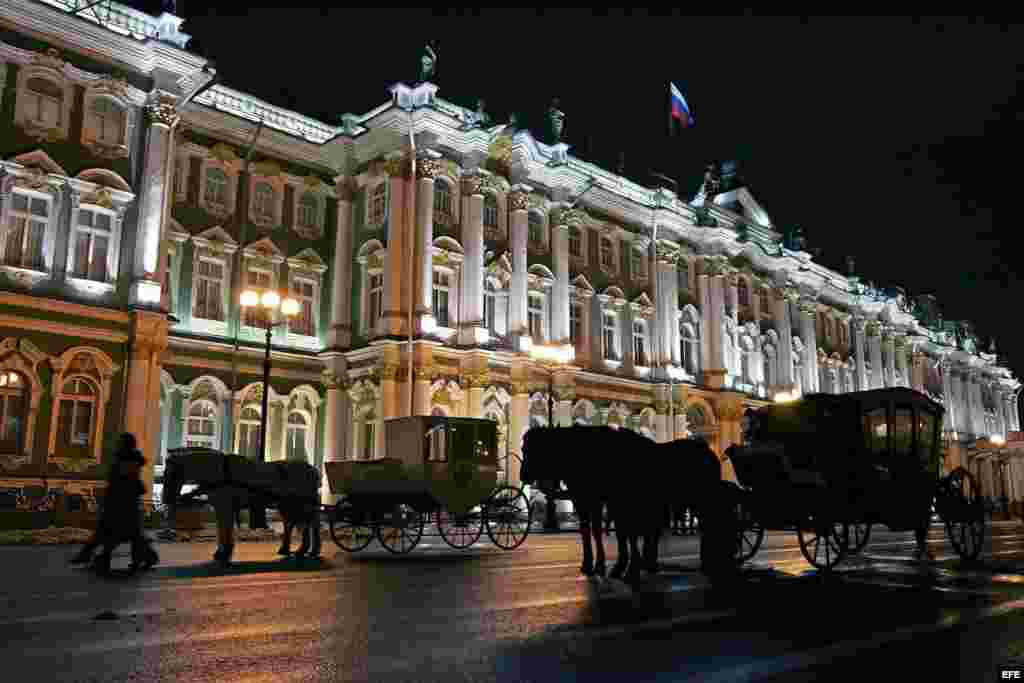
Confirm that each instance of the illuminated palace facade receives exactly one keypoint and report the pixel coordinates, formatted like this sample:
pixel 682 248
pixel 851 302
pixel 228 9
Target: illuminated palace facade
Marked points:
pixel 130 217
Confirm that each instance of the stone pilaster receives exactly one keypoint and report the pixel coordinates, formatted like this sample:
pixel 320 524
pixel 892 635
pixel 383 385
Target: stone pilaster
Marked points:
pixel 397 278
pixel 519 418
pixel 858 336
pixel 340 332
pixel 473 244
pixel 518 203
pixel 729 409
pixel 475 371
pixel 148 344
pixel 337 419
pixel 147 265
pixel 667 307
pixel 712 313
pixel 427 169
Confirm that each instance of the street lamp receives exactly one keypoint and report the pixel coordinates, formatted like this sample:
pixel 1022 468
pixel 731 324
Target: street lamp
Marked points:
pixel 551 357
pixel 270 301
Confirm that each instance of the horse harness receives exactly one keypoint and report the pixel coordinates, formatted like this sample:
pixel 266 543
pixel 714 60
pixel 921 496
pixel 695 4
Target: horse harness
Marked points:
pixel 260 491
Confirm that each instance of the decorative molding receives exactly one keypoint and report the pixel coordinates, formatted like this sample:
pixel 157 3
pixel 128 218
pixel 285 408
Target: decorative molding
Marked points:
pixel 161 109
pixel 518 201
pixel 429 168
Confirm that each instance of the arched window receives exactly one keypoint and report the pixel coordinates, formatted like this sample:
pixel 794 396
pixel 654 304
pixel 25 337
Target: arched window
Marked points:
pixel 535 228
pixel 640 343
pixel 575 242
pixel 690 350
pixel 309 211
pixel 742 293
pixel 201 427
pixel 535 317
pixel 489 304
pixel 442 201
pixel 106 119
pixel 263 201
pixel 13 411
pixel 298 433
pixel 27 218
pixel 44 102
pixel 216 187
pixel 609 336
pixel 77 415
pixel 378 212
pixel 607 253
pixel 249 432
pixel 490 212
pixel 92 238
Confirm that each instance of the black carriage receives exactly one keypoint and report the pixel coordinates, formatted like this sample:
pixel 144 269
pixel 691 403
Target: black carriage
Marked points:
pixel 830 466
pixel 440 471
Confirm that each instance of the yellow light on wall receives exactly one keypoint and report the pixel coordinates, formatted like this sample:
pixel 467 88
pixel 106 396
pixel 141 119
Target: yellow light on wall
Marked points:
pixel 250 298
pixel 270 299
pixel 290 307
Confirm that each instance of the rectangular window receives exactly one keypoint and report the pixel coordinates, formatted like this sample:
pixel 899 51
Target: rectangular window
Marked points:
pixel 167 282
pixel 876 433
pixel 209 304
pixel 304 292
pixel 489 318
pixel 92 245
pixel 575 324
pixel 535 318
pixel 639 338
pixel 376 301
pixel 26 225
pixel 608 326
pixel 636 261
pixel 440 298
pixel 379 205
pixel 259 281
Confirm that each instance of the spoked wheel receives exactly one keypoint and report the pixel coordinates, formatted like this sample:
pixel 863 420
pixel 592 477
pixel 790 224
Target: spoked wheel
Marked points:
pixel 963 513
pixel 821 542
pixel 507 516
pixel 400 529
pixel 750 534
pixel 854 537
pixel 460 531
pixel 351 529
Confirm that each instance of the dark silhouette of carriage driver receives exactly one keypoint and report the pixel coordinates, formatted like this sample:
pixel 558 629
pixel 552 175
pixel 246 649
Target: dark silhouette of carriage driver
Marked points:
pixel 120 519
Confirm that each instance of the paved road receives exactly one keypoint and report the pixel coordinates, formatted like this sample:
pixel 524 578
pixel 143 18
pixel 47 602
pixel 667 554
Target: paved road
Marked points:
pixel 489 615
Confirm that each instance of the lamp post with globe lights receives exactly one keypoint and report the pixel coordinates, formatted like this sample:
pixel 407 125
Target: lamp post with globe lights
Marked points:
pixel 274 307
pixel 551 357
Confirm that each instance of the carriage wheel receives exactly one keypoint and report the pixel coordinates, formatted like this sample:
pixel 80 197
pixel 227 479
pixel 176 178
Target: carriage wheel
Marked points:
pixel 854 537
pixel 507 515
pixel 351 529
pixel 750 533
pixel 460 531
pixel 820 542
pixel 400 529
pixel 964 514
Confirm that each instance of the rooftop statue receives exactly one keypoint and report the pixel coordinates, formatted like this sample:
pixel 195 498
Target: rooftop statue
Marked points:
pixel 428 64
pixel 481 115
pixel 556 121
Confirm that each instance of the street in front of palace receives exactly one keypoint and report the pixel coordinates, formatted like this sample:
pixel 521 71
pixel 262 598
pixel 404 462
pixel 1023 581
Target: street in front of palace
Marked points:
pixel 527 615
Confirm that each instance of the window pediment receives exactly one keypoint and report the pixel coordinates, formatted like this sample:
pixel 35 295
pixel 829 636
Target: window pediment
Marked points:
pixel 308 260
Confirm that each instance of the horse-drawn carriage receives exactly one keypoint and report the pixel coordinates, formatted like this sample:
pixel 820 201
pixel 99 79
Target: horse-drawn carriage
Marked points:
pixel 440 470
pixel 830 466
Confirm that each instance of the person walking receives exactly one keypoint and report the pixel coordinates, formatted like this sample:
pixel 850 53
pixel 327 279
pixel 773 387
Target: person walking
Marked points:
pixel 121 518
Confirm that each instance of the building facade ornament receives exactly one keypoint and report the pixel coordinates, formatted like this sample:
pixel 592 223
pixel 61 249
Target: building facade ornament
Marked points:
pixel 388 371
pixel 161 109
pixel 472 185
pixel 429 168
pixel 398 166
pixel 518 201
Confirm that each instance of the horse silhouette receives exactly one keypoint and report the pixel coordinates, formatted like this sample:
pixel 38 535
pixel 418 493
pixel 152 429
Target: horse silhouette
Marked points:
pixel 638 481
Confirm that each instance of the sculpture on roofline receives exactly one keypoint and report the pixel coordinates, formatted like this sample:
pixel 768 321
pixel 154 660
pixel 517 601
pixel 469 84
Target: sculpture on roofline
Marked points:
pixel 556 121
pixel 428 64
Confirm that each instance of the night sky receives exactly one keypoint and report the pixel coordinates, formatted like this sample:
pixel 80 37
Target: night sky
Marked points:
pixel 890 140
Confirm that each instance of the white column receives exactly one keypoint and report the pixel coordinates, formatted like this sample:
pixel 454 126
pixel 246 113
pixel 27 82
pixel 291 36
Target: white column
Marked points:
pixel 560 258
pixel 809 333
pixel 783 327
pixel 875 351
pixel 396 277
pixel 340 333
pixel 146 265
pixel 473 244
pixel 668 292
pixel 857 336
pixel 427 169
pixel 517 205
pixel 337 420
pixel 712 312
pixel 518 424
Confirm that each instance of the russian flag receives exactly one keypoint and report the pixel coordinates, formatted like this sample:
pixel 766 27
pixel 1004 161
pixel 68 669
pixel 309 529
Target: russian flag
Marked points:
pixel 680 109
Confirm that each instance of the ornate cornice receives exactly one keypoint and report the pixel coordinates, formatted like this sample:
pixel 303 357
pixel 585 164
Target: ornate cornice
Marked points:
pixel 161 109
pixel 472 185
pixel 388 371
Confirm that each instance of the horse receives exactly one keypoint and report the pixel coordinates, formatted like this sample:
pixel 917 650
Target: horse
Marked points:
pixel 566 454
pixel 230 481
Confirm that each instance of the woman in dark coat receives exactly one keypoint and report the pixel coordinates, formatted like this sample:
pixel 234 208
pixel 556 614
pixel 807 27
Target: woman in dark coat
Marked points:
pixel 120 518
